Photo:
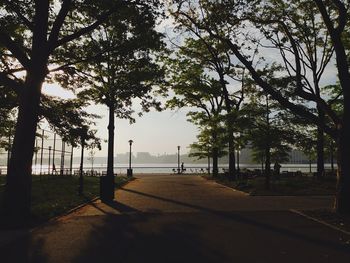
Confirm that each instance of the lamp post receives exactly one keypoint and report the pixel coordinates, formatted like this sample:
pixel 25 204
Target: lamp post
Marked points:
pixel 49 167
pixel 81 168
pixel 178 159
pixel 129 171
pixel 238 152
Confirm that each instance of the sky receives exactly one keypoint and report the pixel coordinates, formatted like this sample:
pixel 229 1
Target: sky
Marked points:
pixel 154 132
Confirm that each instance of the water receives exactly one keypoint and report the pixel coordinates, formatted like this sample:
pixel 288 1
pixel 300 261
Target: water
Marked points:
pixel 163 168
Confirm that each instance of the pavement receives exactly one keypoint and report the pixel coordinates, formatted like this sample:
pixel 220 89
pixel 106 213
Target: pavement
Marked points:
pixel 182 218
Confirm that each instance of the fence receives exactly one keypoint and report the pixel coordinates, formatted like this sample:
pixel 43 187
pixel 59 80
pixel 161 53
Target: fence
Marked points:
pixel 52 155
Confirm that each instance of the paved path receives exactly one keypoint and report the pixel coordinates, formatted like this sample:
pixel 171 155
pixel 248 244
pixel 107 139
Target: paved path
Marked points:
pixel 184 219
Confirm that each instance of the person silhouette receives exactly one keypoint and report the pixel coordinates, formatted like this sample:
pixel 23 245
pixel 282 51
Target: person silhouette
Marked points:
pixel 54 171
pixel 182 167
pixel 277 168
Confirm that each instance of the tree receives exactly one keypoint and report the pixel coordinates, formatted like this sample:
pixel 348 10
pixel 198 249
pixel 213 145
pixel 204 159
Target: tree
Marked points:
pixel 69 119
pixel 87 140
pixel 235 15
pixel 91 158
pixel 215 59
pixel 125 70
pixel 195 89
pixel 36 39
pixel 268 130
pixel 210 144
pixel 309 34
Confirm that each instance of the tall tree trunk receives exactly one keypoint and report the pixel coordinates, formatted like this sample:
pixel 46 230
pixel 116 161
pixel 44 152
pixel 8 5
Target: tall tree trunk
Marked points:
pixel 267 166
pixel 208 164
pixel 81 169
pixel 267 146
pixel 110 158
pixel 231 147
pixel 18 186
pixel 342 203
pixel 215 161
pixel 231 152
pixel 332 156
pixel 320 146
pixel 310 163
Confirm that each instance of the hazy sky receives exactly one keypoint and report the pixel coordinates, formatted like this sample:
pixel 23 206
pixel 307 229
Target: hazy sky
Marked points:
pixel 154 132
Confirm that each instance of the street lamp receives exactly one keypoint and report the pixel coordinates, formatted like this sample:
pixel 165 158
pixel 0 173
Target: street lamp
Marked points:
pixel 81 169
pixel 178 159
pixel 129 171
pixel 49 167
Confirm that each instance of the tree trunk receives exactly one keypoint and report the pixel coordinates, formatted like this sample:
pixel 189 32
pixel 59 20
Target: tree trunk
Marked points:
pixel 18 186
pixel 215 162
pixel 81 169
pixel 310 168
pixel 110 158
pixel 342 204
pixel 231 153
pixel 320 147
pixel 267 166
pixel 208 164
pixel 332 157
pixel 230 121
pixel 320 153
pixel 267 146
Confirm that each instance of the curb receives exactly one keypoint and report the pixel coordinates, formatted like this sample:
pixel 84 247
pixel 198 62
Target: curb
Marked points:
pixel 74 209
pixel 233 189
pixel 71 210
pixel 319 221
pixel 225 186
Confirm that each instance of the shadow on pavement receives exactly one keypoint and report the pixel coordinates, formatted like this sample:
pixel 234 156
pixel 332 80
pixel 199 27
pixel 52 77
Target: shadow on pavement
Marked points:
pixel 145 238
pixel 207 235
pixel 270 225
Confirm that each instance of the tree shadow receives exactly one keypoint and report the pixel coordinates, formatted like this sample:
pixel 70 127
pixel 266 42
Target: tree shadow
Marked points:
pixel 146 238
pixel 247 218
pixel 23 249
pixel 206 235
pixel 120 207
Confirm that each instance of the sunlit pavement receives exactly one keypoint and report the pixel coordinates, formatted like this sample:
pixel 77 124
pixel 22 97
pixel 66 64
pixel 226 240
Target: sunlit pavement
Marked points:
pixel 184 219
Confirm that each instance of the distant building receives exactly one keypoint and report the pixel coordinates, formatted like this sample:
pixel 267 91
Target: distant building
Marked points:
pixel 145 157
pixel 297 157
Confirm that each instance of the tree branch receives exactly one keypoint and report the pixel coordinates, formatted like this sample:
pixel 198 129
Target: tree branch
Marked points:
pixel 102 18
pixel 12 46
pixel 6 81
pixel 57 25
pixel 15 9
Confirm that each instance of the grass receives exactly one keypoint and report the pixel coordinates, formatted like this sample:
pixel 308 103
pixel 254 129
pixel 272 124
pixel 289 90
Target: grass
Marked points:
pixel 283 186
pixel 2 179
pixel 56 195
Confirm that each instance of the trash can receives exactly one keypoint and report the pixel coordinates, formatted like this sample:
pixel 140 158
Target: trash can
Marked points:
pixel 129 172
pixel 107 188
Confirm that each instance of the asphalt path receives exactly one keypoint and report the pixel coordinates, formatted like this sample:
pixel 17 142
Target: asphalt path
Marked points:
pixel 173 218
